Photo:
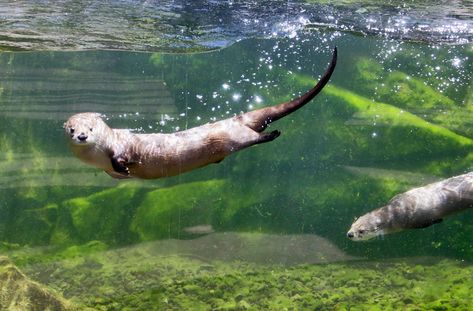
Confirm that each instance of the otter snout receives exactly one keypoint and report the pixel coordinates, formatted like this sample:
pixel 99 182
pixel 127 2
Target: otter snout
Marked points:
pixel 358 235
pixel 82 137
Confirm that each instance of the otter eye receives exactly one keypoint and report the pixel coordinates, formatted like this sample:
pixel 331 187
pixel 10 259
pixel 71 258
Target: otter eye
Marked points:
pixel 90 129
pixel 361 231
pixel 71 131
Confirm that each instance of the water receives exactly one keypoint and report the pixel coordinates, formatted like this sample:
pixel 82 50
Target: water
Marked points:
pixel 266 227
pixel 175 25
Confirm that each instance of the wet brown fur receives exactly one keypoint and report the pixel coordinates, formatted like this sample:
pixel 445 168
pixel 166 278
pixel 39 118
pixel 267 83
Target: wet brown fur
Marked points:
pixel 417 208
pixel 123 154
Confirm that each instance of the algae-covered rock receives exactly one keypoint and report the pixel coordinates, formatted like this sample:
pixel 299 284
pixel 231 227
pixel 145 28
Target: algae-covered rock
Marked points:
pixel 469 95
pixel 37 225
pixel 18 292
pixel 165 212
pixel 82 250
pixel 104 215
pixel 414 95
pixel 359 129
pixel 398 88
pixel 215 204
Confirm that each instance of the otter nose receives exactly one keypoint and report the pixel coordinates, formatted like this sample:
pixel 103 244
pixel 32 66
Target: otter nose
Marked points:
pixel 82 137
pixel 350 234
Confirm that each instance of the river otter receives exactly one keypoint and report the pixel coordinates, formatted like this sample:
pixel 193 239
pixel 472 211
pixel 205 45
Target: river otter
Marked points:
pixel 123 154
pixel 416 208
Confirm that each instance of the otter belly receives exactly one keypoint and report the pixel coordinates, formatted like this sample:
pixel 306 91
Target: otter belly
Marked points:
pixel 164 155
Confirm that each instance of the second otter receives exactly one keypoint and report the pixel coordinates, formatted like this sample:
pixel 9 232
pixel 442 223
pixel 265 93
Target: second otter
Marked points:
pixel 416 208
pixel 123 154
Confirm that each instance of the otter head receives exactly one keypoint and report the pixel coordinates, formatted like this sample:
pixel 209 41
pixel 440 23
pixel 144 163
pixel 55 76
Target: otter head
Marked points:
pixel 82 128
pixel 366 227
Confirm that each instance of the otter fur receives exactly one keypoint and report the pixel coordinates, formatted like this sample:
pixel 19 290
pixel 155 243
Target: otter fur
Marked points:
pixel 417 208
pixel 123 154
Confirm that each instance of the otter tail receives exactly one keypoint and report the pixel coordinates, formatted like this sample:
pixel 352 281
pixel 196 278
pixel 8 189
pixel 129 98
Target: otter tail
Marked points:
pixel 259 119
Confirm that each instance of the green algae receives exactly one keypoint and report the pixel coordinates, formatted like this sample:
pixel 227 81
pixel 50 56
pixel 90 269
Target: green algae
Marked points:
pixel 179 282
pixel 103 215
pixel 385 114
pixel 413 94
pixel 399 89
pixel 165 212
pixel 18 292
pixel 378 129
pixel 38 224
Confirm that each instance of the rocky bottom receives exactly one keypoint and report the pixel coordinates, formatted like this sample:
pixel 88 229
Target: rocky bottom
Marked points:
pixel 144 277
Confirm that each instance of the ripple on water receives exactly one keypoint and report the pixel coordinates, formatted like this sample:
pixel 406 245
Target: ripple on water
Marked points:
pixel 180 26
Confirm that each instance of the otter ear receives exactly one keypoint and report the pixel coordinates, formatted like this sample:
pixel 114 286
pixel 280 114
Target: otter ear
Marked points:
pixel 64 125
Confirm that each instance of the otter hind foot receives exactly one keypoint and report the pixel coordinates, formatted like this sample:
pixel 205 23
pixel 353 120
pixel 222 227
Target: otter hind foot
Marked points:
pixel 267 137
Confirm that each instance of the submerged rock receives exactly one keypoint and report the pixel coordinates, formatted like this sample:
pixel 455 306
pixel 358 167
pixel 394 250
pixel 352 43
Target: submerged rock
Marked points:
pixel 18 292
pixel 415 95
pixel 165 212
pixel 386 132
pixel 400 89
pixel 177 211
pixel 253 247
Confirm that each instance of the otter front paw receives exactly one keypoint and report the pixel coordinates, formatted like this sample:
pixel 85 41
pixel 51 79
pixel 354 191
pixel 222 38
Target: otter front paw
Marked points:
pixel 119 165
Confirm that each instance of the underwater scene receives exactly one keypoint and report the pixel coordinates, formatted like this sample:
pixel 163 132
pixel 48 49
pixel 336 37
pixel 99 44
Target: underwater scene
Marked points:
pixel 266 228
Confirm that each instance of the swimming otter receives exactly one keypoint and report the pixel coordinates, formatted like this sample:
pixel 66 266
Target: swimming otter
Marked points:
pixel 416 208
pixel 123 154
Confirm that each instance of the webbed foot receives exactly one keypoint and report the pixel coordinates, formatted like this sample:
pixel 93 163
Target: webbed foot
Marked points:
pixel 267 137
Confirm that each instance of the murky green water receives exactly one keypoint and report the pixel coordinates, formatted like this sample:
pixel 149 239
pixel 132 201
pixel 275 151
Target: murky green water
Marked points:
pixel 266 228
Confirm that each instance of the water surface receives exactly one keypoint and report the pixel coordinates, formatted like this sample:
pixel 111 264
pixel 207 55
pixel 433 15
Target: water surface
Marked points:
pixel 205 25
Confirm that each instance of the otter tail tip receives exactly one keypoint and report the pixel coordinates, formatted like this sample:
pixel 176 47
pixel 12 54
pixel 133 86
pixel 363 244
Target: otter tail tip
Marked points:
pixel 259 119
pixel 334 55
pixel 333 63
